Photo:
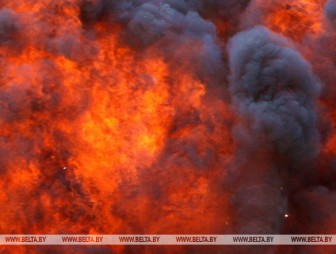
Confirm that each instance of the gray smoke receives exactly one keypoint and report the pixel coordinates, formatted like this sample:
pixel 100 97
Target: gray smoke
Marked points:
pixel 9 26
pixel 274 93
pixel 330 10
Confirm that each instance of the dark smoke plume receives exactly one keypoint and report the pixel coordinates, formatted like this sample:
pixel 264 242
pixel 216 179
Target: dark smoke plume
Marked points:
pixel 274 93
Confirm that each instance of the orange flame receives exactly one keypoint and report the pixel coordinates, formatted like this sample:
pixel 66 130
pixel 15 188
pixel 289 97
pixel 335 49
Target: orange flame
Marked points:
pixel 94 119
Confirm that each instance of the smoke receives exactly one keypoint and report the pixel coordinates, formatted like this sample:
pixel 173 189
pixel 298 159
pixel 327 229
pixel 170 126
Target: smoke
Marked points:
pixel 274 93
pixel 274 89
pixel 330 10
pixel 9 26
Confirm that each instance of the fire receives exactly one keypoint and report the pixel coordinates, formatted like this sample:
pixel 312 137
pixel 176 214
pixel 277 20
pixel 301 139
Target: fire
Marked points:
pixel 163 117
pixel 86 126
pixel 294 19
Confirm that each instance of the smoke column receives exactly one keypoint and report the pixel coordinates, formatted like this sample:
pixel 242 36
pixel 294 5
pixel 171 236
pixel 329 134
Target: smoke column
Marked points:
pixel 274 93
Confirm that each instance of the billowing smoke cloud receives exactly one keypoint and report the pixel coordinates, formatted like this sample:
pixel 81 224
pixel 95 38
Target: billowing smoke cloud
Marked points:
pixel 9 26
pixel 330 10
pixel 274 93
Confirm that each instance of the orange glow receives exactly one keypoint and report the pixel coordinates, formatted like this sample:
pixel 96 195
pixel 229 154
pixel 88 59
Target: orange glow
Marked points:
pixel 294 19
pixel 94 120
pixel 99 135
